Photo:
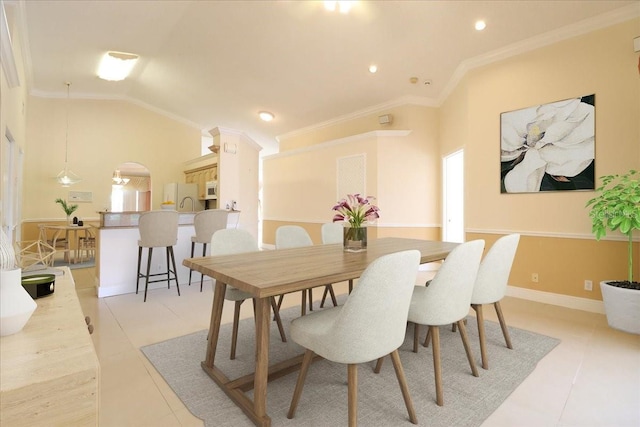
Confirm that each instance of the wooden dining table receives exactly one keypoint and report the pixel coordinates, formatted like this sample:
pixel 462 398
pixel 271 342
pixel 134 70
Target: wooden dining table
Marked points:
pixel 58 231
pixel 269 273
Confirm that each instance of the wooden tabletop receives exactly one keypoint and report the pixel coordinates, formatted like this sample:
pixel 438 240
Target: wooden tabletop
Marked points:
pixel 275 272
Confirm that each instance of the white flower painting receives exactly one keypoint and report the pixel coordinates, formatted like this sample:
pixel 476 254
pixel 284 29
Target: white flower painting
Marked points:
pixel 550 147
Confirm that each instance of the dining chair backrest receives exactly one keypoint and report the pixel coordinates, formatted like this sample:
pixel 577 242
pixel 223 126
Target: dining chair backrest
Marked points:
pixel 373 320
pixel 292 236
pixel 493 274
pixel 232 241
pixel 208 222
pixel 332 232
pixel 158 229
pixel 448 297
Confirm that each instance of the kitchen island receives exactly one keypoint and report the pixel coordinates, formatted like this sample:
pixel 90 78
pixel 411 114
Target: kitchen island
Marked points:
pixel 117 252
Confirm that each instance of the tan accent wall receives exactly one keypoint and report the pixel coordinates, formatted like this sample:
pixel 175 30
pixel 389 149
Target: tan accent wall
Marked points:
pixel 557 242
pixel 563 264
pixel 102 135
pixel 559 245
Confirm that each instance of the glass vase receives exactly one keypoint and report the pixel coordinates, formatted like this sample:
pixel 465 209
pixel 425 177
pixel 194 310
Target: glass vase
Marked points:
pixel 355 239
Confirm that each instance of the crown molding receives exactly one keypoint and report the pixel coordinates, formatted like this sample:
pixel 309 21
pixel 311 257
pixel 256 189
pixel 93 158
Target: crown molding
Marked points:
pixel 579 28
pixel 345 140
pixel 398 102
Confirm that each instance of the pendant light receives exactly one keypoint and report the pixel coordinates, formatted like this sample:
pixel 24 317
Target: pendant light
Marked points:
pixel 67 177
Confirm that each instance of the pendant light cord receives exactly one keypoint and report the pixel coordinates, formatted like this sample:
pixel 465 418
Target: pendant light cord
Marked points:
pixel 66 135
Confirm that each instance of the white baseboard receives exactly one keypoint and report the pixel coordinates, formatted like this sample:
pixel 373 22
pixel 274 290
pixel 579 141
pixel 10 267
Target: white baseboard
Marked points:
pixel 567 301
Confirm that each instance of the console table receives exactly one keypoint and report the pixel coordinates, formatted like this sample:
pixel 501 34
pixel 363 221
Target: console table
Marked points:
pixel 49 371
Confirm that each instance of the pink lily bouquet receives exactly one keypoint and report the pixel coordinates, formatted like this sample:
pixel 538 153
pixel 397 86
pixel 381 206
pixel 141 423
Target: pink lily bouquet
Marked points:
pixel 356 210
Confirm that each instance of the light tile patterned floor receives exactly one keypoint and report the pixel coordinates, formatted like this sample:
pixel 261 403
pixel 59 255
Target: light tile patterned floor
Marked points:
pixel 591 379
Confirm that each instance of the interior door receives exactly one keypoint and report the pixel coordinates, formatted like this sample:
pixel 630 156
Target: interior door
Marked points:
pixel 453 197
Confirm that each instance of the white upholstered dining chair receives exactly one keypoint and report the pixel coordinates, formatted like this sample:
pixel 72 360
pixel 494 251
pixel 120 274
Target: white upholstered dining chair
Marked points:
pixel 446 300
pixel 294 236
pixel 332 233
pixel 370 325
pixel 491 286
pixel 228 241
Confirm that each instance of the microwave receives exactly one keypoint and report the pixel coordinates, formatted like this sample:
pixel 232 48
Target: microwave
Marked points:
pixel 211 190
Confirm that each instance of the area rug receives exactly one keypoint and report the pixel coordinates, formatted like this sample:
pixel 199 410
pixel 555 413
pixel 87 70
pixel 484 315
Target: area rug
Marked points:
pixel 468 400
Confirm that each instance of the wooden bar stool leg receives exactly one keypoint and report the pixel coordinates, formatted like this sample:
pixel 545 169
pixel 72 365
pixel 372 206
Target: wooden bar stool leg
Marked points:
pixel 427 338
pixel 416 337
pixel 378 367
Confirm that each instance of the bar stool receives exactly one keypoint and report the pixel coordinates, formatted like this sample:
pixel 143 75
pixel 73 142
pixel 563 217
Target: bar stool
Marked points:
pixel 158 229
pixel 206 223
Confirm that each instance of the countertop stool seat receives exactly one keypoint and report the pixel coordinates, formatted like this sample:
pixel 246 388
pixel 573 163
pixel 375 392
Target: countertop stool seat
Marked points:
pixel 206 223
pixel 158 229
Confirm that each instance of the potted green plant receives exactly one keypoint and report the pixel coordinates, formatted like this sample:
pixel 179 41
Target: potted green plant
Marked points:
pixel 68 209
pixel 617 207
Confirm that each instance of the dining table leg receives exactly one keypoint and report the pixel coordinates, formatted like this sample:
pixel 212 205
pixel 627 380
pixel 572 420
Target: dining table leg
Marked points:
pixel 216 318
pixel 263 320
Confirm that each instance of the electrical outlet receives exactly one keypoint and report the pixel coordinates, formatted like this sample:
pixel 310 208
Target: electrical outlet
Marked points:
pixel 588 285
pixel 534 277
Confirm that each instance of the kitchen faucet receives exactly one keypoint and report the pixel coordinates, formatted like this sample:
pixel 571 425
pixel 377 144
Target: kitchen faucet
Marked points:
pixel 185 198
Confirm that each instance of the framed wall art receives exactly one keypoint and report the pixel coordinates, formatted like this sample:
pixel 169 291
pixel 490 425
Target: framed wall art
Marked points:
pixel 548 147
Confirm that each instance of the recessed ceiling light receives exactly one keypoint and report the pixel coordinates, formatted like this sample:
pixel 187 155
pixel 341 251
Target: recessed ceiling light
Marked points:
pixel 480 25
pixel 266 116
pixel 116 66
pixel 373 68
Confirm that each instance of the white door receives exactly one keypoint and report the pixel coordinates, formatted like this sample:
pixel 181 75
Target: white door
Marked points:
pixel 453 197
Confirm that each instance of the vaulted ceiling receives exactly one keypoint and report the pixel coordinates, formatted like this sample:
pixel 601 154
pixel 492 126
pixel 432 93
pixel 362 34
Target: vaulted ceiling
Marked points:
pixel 218 63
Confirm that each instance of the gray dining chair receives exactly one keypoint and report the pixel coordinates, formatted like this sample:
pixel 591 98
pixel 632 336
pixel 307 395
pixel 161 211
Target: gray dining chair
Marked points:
pixel 370 325
pixel 446 300
pixel 158 229
pixel 229 241
pixel 294 236
pixel 491 286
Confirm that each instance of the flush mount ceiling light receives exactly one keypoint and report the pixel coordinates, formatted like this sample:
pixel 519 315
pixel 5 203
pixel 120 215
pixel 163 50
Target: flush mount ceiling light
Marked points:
pixel 373 68
pixel 66 177
pixel 344 6
pixel 116 66
pixel 480 25
pixel 266 116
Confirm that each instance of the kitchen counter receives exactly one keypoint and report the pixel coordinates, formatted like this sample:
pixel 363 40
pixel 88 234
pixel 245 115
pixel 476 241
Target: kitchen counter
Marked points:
pixel 130 219
pixel 117 252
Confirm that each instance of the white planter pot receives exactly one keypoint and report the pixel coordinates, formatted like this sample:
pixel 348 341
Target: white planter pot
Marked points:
pixel 622 307
pixel 16 305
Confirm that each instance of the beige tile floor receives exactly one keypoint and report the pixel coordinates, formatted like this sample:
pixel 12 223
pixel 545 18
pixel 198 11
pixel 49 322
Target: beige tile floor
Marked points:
pixel 591 379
